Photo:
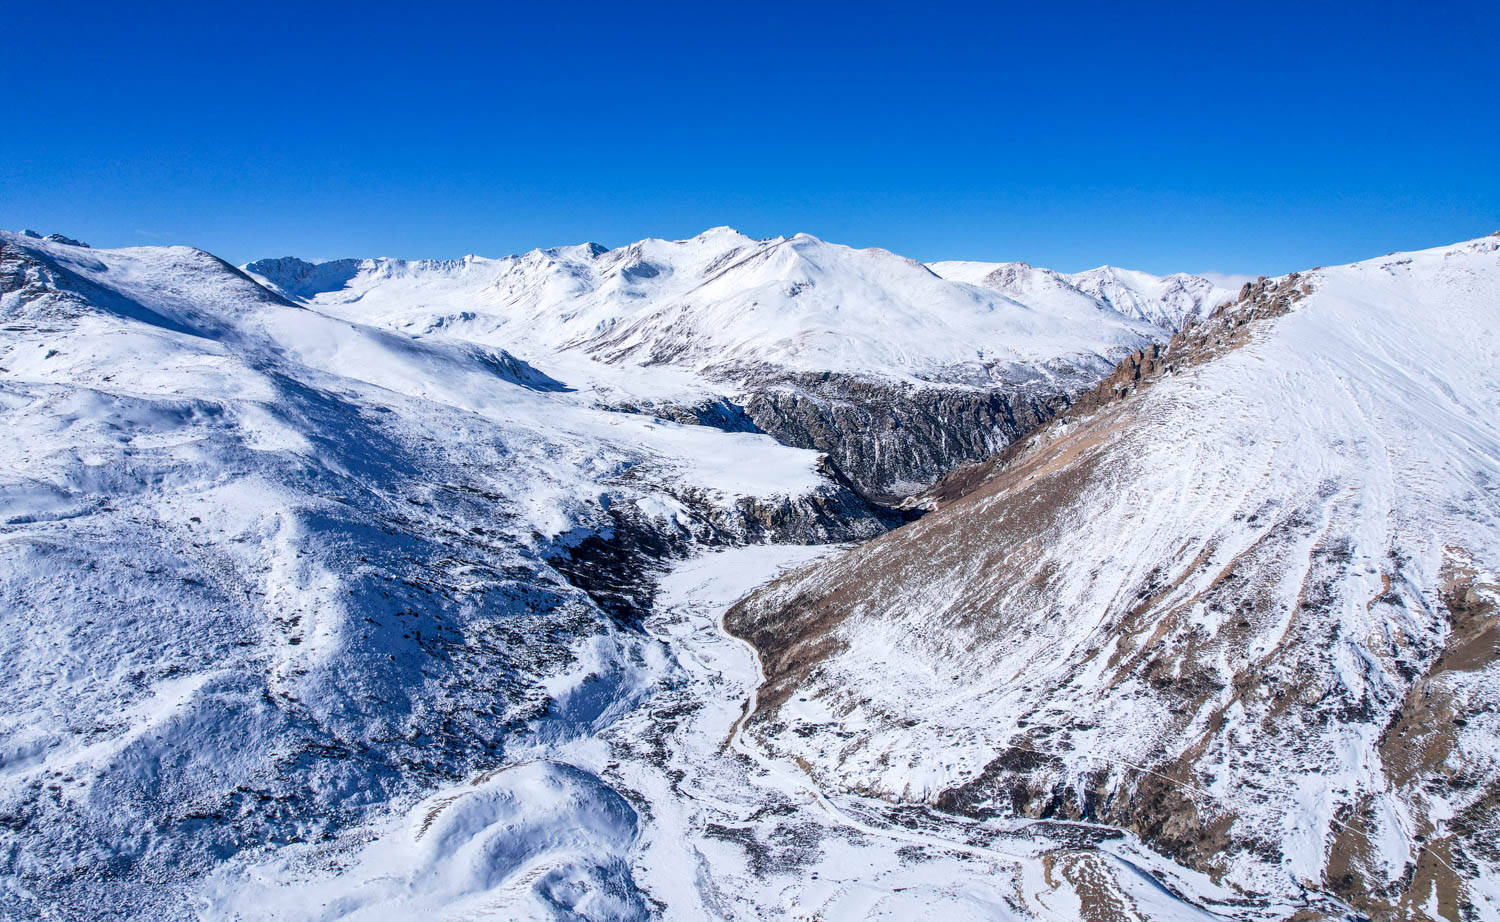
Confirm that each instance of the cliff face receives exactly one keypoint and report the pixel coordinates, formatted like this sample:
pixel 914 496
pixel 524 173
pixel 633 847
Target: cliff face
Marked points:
pixel 886 439
pixel 892 439
pixel 1240 600
pixel 617 563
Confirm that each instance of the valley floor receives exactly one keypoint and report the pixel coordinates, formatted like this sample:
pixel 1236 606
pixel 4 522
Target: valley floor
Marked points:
pixel 737 835
pixel 733 834
pixel 668 811
pixel 713 828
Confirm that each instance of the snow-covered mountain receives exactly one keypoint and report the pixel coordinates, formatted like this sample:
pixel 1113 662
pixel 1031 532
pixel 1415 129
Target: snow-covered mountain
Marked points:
pixel 288 550
pixel 717 302
pixel 850 352
pixel 268 572
pixel 1241 601
pixel 1169 302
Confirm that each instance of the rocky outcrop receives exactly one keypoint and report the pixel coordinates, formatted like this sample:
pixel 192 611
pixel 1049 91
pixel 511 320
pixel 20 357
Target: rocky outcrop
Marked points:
pixel 891 438
pixel 884 439
pixel 715 412
pixel 298 278
pixel 1229 327
pixel 54 238
pixel 617 564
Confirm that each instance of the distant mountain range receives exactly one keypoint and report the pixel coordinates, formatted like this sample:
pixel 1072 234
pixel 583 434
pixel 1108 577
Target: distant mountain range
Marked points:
pixel 823 346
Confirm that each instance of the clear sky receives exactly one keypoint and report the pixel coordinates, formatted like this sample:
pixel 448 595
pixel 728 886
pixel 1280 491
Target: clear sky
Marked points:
pixel 1238 137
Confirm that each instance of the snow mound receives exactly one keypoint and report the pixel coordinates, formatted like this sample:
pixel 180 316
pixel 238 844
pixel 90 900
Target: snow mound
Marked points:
pixel 536 840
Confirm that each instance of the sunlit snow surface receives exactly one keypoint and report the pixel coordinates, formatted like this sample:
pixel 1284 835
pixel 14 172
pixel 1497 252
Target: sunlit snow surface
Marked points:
pixel 264 572
pixel 274 584
pixel 722 300
pixel 1167 301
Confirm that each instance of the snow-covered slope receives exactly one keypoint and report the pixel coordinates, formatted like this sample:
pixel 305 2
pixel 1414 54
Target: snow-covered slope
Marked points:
pixel 823 346
pixel 1248 612
pixel 328 590
pixel 267 575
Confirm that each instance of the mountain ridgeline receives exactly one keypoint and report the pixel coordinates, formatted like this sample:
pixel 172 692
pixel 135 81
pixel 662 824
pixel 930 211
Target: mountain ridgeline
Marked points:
pixel 895 371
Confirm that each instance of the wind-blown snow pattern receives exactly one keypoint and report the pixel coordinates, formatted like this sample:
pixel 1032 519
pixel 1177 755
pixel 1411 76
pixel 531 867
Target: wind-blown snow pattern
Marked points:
pixel 1249 612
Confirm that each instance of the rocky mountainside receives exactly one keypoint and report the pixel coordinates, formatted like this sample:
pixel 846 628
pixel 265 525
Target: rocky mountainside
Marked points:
pixel 896 373
pixel 1243 601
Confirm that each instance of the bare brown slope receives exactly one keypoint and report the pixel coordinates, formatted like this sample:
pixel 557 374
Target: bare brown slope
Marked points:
pixel 1014 498
pixel 1228 327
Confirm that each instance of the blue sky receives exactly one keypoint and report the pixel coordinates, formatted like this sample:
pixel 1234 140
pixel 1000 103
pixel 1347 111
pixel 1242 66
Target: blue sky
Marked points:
pixel 1230 137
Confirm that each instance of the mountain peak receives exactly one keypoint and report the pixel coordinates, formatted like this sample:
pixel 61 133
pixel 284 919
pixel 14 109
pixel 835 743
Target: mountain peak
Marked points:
pixel 721 231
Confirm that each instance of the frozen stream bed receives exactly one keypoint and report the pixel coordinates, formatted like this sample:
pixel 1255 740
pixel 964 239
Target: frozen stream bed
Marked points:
pixel 735 835
pixel 663 810
pixel 732 836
